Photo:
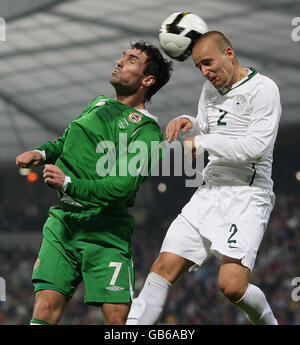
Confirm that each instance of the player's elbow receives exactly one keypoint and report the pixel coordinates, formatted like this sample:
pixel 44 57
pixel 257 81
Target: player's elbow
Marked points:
pixel 257 148
pixel 125 189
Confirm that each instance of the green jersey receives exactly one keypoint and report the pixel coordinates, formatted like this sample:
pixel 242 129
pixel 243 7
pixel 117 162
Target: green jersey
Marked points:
pixel 80 150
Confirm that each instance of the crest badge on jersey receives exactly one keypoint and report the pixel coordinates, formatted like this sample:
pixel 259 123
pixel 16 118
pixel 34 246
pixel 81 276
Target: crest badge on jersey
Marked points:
pixel 239 103
pixel 135 117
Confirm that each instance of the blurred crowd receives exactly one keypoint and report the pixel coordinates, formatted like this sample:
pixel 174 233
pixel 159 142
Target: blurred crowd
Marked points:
pixel 194 300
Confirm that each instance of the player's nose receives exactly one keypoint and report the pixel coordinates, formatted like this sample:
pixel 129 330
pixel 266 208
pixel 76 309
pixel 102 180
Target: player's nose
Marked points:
pixel 205 71
pixel 119 63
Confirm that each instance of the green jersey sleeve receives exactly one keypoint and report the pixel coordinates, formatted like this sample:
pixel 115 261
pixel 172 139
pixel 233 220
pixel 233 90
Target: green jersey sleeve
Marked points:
pixel 143 154
pixel 54 149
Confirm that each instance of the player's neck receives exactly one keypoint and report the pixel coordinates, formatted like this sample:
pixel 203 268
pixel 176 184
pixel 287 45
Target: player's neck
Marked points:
pixel 132 101
pixel 239 74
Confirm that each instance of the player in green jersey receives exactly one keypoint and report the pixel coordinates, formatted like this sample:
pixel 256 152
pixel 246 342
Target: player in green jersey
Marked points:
pixel 88 235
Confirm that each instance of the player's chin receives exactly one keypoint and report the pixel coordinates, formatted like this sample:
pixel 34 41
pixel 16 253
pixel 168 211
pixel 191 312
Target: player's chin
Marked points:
pixel 114 80
pixel 217 83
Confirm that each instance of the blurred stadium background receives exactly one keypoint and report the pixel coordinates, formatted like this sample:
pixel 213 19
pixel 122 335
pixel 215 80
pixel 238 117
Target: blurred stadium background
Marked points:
pixel 58 55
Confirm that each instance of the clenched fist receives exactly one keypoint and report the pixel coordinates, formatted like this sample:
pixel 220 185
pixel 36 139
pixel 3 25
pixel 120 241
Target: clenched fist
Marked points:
pixel 53 176
pixel 28 159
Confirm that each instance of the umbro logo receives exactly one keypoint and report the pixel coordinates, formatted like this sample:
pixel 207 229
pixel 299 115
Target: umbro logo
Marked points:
pixel 114 288
pixel 101 102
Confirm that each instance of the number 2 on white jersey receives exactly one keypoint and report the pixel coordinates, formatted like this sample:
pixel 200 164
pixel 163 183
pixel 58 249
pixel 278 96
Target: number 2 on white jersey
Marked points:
pixel 220 122
pixel 118 266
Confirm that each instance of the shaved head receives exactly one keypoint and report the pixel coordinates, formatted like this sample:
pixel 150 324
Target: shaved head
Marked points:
pixel 217 38
pixel 214 56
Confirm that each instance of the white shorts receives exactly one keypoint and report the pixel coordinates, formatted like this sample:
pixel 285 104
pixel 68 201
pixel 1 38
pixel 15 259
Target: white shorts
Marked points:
pixel 222 220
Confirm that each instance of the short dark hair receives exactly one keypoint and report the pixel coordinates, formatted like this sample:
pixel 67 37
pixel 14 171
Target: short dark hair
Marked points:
pixel 156 65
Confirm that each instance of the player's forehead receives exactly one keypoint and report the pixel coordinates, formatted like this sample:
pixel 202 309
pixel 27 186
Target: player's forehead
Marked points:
pixel 137 54
pixel 205 49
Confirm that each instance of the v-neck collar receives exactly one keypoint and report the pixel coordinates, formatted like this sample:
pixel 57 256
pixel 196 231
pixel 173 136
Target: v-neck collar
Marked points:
pixel 250 75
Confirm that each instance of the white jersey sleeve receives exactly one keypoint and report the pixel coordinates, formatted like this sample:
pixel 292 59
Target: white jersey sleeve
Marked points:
pixel 199 123
pixel 261 133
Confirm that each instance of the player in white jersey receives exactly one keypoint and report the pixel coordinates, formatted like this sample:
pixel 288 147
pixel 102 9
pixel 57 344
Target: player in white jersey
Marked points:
pixel 237 123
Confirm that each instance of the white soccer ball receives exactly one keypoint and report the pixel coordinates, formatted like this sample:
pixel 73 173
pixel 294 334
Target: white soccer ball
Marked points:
pixel 179 32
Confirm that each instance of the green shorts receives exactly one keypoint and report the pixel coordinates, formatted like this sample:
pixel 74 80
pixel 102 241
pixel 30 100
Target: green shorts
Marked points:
pixel 89 247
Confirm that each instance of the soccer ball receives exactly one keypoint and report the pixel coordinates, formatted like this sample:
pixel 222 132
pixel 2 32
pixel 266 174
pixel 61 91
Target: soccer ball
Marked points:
pixel 179 32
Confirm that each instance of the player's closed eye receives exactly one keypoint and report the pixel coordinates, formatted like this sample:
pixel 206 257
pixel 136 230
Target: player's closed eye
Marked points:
pixel 207 62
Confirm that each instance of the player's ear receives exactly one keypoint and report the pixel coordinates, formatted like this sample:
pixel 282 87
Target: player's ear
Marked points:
pixel 229 52
pixel 149 80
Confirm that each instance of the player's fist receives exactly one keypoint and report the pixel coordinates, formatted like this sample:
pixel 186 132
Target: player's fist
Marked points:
pixel 28 159
pixel 174 127
pixel 53 176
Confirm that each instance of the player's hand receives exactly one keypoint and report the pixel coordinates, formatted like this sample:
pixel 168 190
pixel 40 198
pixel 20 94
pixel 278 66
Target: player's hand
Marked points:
pixel 29 158
pixel 174 127
pixel 54 176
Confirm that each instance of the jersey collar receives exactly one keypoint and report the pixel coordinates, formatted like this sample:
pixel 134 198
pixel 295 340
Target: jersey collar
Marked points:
pixel 146 113
pixel 251 74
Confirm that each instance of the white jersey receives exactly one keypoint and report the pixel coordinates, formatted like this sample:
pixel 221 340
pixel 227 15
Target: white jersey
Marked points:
pixel 238 127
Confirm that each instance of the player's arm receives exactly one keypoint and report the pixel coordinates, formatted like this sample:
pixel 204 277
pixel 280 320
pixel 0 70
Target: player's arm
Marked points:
pixel 261 134
pixel 53 149
pixel 50 151
pixel 138 163
pixel 187 125
pixel 47 153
